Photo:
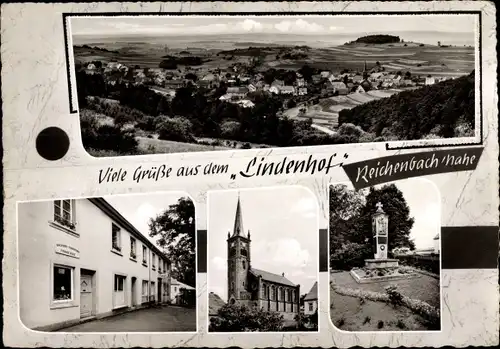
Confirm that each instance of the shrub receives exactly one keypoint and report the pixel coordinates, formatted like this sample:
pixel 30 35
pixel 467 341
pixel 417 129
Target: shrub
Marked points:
pixel 400 324
pixel 175 129
pixel 380 324
pixel 106 137
pixel 340 322
pixel 395 297
pixel 240 318
pixel 367 320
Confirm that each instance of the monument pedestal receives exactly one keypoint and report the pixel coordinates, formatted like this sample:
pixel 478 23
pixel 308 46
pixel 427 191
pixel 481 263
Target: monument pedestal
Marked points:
pixel 381 263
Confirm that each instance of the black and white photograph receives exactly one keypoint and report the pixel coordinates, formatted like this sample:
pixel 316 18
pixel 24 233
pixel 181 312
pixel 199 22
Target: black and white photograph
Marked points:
pixel 123 263
pixel 171 84
pixel 385 261
pixel 263 260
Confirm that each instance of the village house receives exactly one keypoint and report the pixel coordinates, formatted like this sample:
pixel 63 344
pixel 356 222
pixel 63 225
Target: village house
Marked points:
pixel 278 83
pixel 252 88
pixel 245 103
pixel 174 84
pixel 300 82
pixel 430 80
pixel 311 300
pixel 209 77
pixel 340 88
pixel 274 89
pixel 302 91
pixel 357 79
pixel 316 78
pixel 287 90
pixel 81 259
pixel 237 91
pixel 176 289
pixel 325 74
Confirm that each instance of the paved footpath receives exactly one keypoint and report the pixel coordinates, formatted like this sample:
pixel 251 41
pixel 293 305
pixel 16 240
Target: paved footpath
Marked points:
pixel 156 319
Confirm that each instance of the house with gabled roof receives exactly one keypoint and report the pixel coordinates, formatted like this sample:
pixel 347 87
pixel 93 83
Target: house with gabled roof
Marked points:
pixel 311 300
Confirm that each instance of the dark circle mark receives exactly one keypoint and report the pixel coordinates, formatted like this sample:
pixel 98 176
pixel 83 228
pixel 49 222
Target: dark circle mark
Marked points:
pixel 52 143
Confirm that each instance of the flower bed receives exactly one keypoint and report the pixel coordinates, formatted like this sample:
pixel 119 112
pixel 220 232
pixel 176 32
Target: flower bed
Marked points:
pixel 365 273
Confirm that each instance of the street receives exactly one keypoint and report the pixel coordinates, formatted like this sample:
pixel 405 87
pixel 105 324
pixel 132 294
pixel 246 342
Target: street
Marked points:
pixel 156 319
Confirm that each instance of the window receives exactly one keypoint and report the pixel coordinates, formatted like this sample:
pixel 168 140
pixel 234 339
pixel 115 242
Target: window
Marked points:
pixel 175 289
pixel 311 306
pixel 263 293
pixel 133 252
pixel 154 261
pixel 63 283
pixel 272 293
pixel 116 238
pixel 287 295
pixel 144 255
pixel 153 290
pixel 119 281
pixel 144 288
pixel 64 213
pixel 244 265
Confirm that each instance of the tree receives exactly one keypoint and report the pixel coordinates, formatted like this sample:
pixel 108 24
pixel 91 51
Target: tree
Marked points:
pixel 240 318
pixel 395 206
pixel 175 229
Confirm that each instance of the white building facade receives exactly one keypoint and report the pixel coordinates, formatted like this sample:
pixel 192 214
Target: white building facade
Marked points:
pixel 81 259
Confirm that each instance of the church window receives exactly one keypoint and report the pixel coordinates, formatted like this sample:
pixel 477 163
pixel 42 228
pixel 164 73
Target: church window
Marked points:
pixel 283 294
pixel 232 285
pixel 244 264
pixel 263 292
pixel 243 252
pixel 233 251
pixel 287 295
pixel 272 293
pixel 279 293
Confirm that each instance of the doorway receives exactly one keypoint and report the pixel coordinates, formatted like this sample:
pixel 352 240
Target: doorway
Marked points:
pixel 133 292
pixel 159 290
pixel 86 293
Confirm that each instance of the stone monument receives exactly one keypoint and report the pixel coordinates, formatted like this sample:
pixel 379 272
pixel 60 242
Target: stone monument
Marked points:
pixel 380 268
pixel 380 225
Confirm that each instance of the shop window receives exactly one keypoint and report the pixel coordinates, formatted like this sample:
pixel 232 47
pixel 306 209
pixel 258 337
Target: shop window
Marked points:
pixel 63 283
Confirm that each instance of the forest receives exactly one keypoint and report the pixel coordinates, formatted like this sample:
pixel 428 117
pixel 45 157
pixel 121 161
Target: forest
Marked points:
pixel 443 110
pixel 377 39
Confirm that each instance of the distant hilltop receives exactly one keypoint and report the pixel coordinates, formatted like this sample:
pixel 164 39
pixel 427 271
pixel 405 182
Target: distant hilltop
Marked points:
pixel 376 39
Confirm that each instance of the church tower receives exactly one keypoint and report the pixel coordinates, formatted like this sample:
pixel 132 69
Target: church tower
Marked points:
pixel 238 259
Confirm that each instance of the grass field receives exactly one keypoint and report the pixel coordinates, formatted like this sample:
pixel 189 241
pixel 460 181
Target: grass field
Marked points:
pixel 162 146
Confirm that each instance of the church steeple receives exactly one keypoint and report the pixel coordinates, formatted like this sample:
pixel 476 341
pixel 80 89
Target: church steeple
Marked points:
pixel 238 220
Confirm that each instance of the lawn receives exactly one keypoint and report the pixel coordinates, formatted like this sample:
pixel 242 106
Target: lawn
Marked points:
pixel 351 314
pixel 424 288
pixel 162 146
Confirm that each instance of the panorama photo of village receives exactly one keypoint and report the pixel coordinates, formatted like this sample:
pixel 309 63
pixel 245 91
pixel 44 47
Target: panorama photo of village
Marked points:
pixel 170 84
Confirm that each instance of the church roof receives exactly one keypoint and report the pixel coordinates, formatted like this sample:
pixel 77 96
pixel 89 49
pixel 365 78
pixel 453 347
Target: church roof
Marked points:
pixel 313 293
pixel 279 279
pixel 238 220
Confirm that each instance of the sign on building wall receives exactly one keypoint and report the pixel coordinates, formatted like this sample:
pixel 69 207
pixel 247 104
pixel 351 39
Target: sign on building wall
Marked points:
pixel 67 250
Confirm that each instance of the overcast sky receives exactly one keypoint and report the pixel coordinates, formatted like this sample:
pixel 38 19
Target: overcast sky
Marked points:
pixel 304 25
pixel 138 209
pixel 283 224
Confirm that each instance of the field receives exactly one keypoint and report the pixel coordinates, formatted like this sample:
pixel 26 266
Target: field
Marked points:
pixel 427 59
pixel 326 112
